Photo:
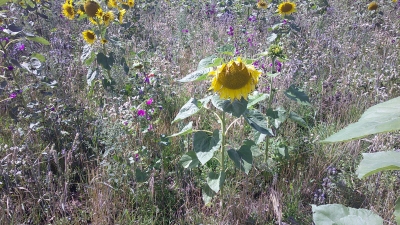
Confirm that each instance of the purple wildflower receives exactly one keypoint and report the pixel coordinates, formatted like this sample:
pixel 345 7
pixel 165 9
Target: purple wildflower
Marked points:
pixel 185 31
pixel 256 64
pixel 230 32
pixel 13 95
pixel 284 21
pixel 20 46
pixel 252 19
pixel 141 112
pixel 278 65
pixel 148 102
pixel 137 157
pixel 10 67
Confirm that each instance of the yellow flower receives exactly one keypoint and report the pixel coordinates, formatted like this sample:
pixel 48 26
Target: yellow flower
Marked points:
pixel 89 36
pixel 108 17
pixel 261 4
pixel 68 11
pixel 91 8
pixel 80 12
pixel 121 15
pixel 131 3
pixel 104 41
pixel 372 6
pixel 234 80
pixel 93 21
pixel 286 8
pixel 112 3
pixel 394 1
pixel 99 13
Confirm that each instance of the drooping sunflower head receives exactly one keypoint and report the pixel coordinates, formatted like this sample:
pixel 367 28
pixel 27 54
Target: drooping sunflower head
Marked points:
pixel 261 4
pixel 91 8
pixel 234 80
pixel 68 11
pixel 89 36
pixel 286 8
pixel 372 6
pixel 108 17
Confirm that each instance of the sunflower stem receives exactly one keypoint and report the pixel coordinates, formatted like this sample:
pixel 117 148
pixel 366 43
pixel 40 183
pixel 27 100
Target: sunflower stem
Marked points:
pixel 271 96
pixel 223 127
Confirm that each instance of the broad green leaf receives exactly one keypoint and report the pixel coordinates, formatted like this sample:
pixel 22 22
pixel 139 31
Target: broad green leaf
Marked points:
pixel 243 158
pixel 335 214
pixel 197 75
pixel 272 38
pixel 255 98
pixel 205 63
pixel 90 76
pixel 86 53
pixel 38 40
pixel 377 162
pixel 186 130
pixel 3 2
pixel 277 116
pixel 236 108
pixel 189 109
pixel 103 61
pixel 297 95
pixel 189 160
pixel 272 75
pixel 216 180
pixel 383 117
pixel 258 122
pixel 39 56
pixel 207 194
pixel 205 145
pixel 397 211
pixel 297 119
pixel 140 175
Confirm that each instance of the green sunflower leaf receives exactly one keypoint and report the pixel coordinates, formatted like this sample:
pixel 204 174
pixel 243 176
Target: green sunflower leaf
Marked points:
pixel 207 194
pixel 337 214
pixel 258 122
pixel 103 61
pixel 298 95
pixel 39 56
pixel 376 162
pixel 236 108
pixel 255 98
pixel 189 109
pixel 397 211
pixel 298 119
pixel 243 158
pixel 197 75
pixel 205 145
pixel 206 62
pixel 278 116
pixel 186 130
pixel 383 117
pixel 216 180
pixel 189 160
pixel 38 40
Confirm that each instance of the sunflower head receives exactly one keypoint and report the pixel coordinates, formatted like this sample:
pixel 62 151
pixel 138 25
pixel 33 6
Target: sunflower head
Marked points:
pixel 91 8
pixel 104 41
pixel 234 80
pixel 99 13
pixel 111 3
pixel 68 10
pixel 372 6
pixel 108 17
pixel 131 3
pixel 275 51
pixel 286 8
pixel 89 36
pixel 261 4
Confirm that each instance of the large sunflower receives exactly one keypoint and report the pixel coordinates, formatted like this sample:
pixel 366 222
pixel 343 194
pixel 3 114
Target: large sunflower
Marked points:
pixel 68 10
pixel 286 8
pixel 89 36
pixel 372 6
pixel 261 4
pixel 234 80
pixel 91 8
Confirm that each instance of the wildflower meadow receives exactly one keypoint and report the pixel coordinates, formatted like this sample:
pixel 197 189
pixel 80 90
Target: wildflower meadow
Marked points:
pixel 200 112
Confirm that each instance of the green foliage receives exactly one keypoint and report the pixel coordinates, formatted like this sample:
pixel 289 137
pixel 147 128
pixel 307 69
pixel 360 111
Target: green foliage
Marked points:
pixel 376 162
pixel 338 214
pixel 205 145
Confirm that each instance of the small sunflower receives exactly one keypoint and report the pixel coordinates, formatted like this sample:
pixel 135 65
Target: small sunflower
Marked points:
pixel 93 21
pixel 99 13
pixel 104 41
pixel 286 8
pixel 261 4
pixel 68 11
pixel 108 17
pixel 112 3
pixel 234 80
pixel 394 1
pixel 121 15
pixel 89 36
pixel 372 6
pixel 131 3
pixel 91 8
pixel 80 12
